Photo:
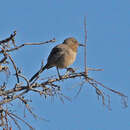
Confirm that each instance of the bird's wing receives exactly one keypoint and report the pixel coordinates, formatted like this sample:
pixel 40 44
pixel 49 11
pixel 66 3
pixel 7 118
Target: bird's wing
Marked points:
pixel 55 54
pixel 55 51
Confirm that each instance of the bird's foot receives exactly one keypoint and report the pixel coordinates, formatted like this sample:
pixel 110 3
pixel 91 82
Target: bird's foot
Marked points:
pixel 69 70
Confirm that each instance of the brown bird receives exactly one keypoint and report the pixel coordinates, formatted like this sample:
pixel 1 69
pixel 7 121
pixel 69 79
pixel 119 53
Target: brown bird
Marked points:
pixel 61 56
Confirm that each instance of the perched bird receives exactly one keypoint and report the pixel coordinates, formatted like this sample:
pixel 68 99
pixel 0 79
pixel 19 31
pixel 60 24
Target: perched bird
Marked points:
pixel 61 56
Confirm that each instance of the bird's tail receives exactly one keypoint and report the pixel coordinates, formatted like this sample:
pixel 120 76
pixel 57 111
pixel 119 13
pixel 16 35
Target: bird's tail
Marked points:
pixel 39 72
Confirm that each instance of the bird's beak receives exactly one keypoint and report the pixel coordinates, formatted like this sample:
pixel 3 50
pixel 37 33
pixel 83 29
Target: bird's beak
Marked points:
pixel 81 44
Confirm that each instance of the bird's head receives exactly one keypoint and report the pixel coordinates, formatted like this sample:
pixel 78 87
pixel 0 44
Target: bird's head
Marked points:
pixel 72 43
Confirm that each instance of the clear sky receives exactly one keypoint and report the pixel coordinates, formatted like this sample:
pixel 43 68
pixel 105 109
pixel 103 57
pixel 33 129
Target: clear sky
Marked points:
pixel 108 25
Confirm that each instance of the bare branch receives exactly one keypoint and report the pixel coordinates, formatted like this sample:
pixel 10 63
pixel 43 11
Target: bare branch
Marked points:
pixel 3 60
pixel 85 48
pixel 14 65
pixel 28 44
pixel 9 38
pixel 14 115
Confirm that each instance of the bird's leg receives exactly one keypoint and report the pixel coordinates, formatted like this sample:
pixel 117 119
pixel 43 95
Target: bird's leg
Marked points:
pixel 58 73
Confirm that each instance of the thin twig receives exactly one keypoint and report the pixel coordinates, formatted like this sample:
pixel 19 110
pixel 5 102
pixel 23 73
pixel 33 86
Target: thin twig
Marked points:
pixel 28 107
pixel 15 121
pixel 13 98
pixel 94 69
pixel 27 44
pixel 21 120
pixel 9 38
pixel 22 76
pixel 3 60
pixel 85 48
pixel 112 90
pixel 14 65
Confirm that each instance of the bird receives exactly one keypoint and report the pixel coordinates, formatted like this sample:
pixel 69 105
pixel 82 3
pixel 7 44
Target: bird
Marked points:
pixel 61 56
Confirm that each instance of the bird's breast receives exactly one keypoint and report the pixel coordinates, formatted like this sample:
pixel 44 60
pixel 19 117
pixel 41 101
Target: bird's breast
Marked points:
pixel 67 59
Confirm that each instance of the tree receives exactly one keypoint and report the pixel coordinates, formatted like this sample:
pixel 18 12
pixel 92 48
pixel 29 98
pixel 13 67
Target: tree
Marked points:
pixel 47 88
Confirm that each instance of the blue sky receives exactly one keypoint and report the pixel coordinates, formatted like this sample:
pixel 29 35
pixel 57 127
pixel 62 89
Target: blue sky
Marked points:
pixel 108 25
